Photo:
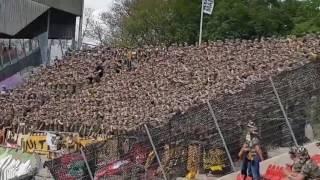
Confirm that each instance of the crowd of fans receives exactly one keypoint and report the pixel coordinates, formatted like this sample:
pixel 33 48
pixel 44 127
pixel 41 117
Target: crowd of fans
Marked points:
pixel 106 90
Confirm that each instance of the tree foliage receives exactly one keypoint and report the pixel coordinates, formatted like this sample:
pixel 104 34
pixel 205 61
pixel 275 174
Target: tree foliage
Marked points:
pixel 139 22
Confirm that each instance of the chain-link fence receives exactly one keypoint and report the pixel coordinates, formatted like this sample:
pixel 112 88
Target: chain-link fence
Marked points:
pixel 207 139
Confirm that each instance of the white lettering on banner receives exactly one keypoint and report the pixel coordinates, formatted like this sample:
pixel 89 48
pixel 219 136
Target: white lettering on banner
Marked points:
pixel 208 6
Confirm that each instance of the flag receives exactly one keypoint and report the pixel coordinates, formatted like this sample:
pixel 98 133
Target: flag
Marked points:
pixel 138 155
pixel 208 6
pixel 68 167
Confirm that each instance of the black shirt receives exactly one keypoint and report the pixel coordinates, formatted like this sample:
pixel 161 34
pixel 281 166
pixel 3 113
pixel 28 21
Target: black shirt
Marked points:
pixel 100 70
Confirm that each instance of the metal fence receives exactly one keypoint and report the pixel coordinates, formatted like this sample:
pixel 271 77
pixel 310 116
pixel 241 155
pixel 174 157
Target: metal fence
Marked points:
pixel 200 140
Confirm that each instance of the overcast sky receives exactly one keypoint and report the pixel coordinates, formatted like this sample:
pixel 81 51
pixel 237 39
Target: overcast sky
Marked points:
pixel 98 5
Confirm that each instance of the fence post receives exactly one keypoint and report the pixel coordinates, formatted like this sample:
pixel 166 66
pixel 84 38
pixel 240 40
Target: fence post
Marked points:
pixel 86 162
pixel 155 152
pixel 283 112
pixel 221 135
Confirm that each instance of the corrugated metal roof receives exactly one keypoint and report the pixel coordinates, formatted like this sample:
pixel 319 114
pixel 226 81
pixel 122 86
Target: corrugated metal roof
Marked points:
pixel 17 14
pixel 70 6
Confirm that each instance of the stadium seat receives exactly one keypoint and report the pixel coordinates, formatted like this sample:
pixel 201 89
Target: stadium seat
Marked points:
pixel 281 172
pixel 316 159
pixel 269 172
pixel 241 177
pixel 274 172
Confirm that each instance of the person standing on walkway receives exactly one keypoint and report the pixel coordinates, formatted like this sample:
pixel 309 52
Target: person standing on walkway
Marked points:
pixel 251 153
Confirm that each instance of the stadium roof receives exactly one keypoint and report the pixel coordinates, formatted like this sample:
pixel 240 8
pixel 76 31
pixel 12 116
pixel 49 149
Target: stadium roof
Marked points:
pixel 17 15
pixel 70 6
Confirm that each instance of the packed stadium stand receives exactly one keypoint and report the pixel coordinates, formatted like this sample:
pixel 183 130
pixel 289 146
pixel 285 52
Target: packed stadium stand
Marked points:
pixel 107 90
pixel 120 106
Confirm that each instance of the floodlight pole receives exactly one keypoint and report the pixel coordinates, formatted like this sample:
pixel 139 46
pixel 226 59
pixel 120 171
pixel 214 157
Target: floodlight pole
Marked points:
pixel 201 22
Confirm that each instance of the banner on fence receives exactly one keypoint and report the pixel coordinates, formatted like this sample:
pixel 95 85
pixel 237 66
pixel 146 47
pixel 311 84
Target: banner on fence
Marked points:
pixel 37 144
pixel 72 166
pixel 69 166
pixel 214 160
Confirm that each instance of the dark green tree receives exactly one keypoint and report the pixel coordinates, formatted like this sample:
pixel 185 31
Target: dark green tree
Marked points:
pixel 139 22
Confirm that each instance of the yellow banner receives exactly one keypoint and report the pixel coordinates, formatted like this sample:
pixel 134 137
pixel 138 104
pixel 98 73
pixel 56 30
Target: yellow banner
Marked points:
pixel 37 144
